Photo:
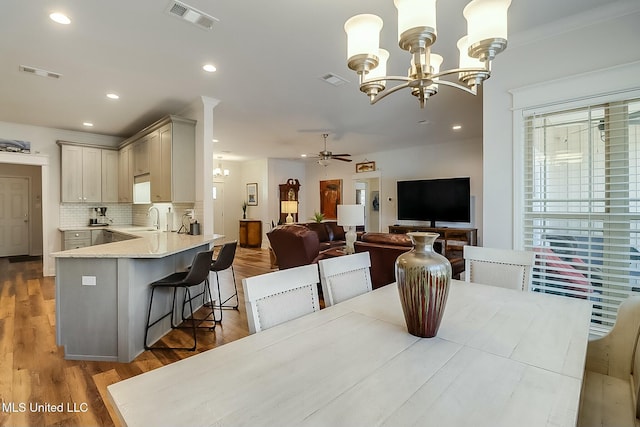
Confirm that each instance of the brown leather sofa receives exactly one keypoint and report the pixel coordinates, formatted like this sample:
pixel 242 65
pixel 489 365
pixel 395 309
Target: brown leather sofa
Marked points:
pixel 330 234
pixel 385 248
pixel 294 245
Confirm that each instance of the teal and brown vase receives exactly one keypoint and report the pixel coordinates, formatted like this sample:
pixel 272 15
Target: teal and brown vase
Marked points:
pixel 423 278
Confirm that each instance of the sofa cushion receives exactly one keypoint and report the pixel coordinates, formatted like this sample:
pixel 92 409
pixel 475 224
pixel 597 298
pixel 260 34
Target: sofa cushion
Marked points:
pixel 387 239
pixel 334 229
pixel 321 229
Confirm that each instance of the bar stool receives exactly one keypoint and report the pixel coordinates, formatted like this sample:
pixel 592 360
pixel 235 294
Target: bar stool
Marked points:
pixel 198 273
pixel 222 262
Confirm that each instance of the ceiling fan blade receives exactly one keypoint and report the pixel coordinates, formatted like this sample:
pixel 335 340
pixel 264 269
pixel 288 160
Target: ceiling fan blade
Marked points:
pixel 341 155
pixel 341 159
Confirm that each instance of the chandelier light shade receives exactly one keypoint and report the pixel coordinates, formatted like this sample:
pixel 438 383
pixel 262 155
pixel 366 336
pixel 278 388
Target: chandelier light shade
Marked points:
pixel 363 40
pixel 219 172
pixel 487 37
pixel 415 17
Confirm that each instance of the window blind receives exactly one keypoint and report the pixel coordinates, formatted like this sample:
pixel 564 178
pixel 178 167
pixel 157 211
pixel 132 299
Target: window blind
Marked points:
pixel 581 207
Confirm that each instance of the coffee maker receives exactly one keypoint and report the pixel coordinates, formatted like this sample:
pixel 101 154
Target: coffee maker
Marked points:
pixel 98 216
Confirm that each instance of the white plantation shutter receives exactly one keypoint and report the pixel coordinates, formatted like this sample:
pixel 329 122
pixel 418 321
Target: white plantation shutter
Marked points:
pixel 581 207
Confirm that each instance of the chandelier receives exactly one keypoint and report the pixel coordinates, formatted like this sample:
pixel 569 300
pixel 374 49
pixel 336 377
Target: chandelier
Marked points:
pixel 486 37
pixel 219 172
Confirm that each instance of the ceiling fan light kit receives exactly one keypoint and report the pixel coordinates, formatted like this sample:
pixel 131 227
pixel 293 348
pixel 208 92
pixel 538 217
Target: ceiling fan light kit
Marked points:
pixel 486 37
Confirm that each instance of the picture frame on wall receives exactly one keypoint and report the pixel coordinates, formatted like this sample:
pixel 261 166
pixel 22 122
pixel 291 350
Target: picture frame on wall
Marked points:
pixel 365 167
pixel 252 194
pixel 330 197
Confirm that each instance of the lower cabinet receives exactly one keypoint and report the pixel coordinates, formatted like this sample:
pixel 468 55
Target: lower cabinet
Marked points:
pixel 76 239
pixel 250 233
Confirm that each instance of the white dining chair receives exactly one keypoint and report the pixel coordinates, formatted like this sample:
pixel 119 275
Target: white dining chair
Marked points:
pixel 612 373
pixel 280 296
pixel 345 277
pixel 498 267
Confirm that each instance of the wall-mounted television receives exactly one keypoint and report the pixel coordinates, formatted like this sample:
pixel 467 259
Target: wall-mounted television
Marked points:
pixel 447 200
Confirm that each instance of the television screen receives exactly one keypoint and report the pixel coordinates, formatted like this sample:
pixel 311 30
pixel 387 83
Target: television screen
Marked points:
pixel 447 200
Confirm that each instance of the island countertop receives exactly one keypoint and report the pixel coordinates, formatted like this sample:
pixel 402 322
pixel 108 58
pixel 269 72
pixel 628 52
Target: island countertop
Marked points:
pixel 145 244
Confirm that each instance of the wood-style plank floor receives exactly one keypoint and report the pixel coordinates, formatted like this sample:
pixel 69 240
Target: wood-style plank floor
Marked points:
pixel 32 368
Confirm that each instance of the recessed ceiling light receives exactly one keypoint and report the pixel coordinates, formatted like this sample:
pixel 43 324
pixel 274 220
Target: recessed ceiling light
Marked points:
pixel 303 155
pixel 209 68
pixel 214 140
pixel 87 124
pixel 456 127
pixel 60 18
pixel 113 96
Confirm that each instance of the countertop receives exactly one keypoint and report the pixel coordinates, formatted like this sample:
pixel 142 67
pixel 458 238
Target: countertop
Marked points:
pixel 148 243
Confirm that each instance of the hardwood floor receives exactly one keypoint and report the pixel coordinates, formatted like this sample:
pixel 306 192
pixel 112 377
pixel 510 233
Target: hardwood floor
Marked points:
pixel 32 368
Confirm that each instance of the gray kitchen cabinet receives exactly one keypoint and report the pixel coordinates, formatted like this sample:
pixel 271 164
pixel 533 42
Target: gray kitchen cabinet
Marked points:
pixel 109 176
pixel 125 175
pixel 80 178
pixel 170 148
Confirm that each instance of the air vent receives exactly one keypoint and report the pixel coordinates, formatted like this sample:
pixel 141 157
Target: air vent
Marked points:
pixel 40 72
pixel 334 79
pixel 190 14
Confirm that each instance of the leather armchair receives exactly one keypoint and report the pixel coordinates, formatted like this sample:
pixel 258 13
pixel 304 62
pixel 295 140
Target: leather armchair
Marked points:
pixel 294 245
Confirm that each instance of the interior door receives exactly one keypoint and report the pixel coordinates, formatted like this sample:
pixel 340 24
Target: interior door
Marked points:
pixel 14 216
pixel 218 208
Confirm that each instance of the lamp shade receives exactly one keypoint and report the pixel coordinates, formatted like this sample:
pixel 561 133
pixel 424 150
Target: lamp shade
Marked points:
pixel 415 14
pixel 289 206
pixel 363 35
pixel 486 19
pixel 350 215
pixel 381 69
pixel 467 61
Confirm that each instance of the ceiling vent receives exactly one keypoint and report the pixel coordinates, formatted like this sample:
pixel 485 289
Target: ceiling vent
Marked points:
pixel 190 14
pixel 39 72
pixel 334 79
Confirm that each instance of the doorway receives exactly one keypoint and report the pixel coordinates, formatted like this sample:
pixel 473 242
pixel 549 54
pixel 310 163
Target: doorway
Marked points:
pixel 14 216
pixel 367 191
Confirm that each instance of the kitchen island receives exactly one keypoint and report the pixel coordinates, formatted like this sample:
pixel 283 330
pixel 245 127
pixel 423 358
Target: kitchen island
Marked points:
pixel 102 292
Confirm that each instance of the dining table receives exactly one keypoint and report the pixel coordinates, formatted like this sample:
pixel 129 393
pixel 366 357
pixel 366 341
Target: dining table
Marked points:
pixel 501 357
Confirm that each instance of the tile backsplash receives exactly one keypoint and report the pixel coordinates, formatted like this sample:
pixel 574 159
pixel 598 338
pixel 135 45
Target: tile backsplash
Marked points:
pixel 72 214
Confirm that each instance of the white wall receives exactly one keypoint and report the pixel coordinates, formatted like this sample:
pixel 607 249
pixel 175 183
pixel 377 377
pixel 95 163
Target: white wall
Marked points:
pixel 444 160
pixel 583 43
pixel 43 141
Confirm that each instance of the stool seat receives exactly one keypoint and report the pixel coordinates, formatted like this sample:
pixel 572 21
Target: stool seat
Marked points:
pixel 196 275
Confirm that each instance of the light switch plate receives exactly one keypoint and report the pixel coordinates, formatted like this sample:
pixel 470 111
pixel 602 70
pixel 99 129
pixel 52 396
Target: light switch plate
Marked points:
pixel 88 280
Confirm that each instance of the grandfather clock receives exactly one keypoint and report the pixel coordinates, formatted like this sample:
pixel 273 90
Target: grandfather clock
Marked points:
pixel 288 193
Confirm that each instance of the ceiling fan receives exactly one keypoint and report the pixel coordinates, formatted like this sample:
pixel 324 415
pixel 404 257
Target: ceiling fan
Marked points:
pixel 325 156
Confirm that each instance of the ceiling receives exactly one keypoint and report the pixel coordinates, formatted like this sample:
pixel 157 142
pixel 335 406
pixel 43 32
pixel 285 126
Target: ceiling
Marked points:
pixel 269 58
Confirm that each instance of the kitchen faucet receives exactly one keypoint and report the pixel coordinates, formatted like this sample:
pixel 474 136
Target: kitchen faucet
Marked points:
pixel 156 223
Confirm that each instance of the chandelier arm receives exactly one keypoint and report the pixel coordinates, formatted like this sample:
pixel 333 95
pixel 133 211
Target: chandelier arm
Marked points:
pixel 457 86
pixel 459 70
pixel 389 91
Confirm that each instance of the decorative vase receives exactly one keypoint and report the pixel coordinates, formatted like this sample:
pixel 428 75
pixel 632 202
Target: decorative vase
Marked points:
pixel 244 215
pixel 423 277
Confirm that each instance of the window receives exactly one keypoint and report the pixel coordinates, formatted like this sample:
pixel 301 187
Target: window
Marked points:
pixel 581 208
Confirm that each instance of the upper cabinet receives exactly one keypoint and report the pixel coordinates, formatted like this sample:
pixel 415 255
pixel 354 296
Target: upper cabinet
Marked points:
pixel 125 175
pixel 81 173
pixel 167 149
pixel 109 176
pixel 141 156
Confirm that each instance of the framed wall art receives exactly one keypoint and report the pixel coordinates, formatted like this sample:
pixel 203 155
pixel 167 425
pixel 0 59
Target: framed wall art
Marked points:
pixel 330 197
pixel 252 194
pixel 365 167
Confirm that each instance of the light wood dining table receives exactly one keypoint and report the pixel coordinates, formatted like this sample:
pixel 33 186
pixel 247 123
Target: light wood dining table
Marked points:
pixel 501 358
